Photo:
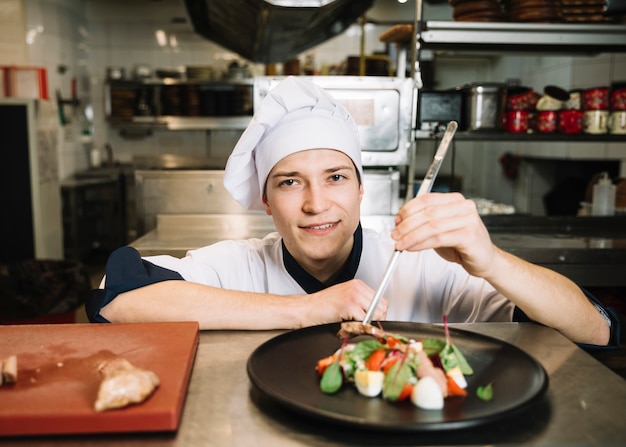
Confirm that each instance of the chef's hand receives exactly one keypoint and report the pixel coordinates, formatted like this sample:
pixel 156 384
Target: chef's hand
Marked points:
pixel 346 301
pixel 448 223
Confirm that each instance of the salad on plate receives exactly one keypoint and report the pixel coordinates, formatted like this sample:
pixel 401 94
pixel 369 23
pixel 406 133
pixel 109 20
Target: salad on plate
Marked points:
pixel 424 371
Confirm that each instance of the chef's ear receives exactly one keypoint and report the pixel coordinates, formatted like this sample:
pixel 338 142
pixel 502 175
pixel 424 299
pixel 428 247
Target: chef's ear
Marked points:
pixel 268 210
pixel 361 190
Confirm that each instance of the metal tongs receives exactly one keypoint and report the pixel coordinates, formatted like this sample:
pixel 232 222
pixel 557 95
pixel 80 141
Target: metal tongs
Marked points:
pixel 425 188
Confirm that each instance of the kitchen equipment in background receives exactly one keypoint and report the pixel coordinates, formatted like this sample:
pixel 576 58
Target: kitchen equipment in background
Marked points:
pixel 142 71
pixel 172 99
pixel 517 121
pixel 121 98
pixel 553 98
pixel 115 73
pixel 171 162
pixel 272 32
pixel 225 99
pixel 180 192
pixel 143 106
pixel 520 98
pixel 617 122
pixel 477 11
pixel 437 108
pixel 484 106
pixel 547 102
pixel 596 121
pixel 374 65
pixel 237 72
pixel 525 11
pixel 574 102
pixel 201 72
pixel 381 192
pixel 291 67
pixel 596 98
pixel 589 11
pixel 172 73
pixel 546 121
pixel 570 121
pixel 95 157
pixel 150 98
pixel 96 216
pixel 618 96
pixel 603 201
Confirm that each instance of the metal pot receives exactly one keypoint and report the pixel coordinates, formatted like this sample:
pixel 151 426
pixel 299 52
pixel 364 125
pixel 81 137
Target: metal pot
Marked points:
pixel 484 106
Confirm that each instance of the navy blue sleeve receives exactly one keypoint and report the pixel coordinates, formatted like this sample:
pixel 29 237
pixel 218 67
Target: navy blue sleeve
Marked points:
pixel 125 270
pixel 608 313
pixel 612 318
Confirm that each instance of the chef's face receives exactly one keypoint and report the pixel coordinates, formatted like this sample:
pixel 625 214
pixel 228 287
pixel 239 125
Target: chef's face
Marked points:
pixel 314 197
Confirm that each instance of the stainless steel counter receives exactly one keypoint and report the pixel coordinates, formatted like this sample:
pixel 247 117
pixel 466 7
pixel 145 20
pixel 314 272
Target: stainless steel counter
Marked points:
pixel 584 403
pixel 177 233
pixel 590 251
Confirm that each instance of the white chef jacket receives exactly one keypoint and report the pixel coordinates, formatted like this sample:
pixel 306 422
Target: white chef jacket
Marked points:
pixel 423 287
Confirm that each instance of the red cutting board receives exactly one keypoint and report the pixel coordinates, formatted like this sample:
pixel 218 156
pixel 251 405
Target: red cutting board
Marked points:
pixel 58 377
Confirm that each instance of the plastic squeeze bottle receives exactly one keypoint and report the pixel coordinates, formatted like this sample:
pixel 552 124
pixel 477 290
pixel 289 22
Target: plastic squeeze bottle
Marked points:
pixel 603 202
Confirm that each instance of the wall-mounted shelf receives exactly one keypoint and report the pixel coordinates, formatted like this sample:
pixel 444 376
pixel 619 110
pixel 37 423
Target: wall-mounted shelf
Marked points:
pixel 523 37
pixel 172 104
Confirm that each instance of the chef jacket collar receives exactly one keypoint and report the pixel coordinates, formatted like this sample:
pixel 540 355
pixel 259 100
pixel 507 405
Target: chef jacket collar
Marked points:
pixel 311 284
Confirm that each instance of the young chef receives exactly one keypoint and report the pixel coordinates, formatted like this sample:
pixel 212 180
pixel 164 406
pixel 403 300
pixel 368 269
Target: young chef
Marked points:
pixel 300 161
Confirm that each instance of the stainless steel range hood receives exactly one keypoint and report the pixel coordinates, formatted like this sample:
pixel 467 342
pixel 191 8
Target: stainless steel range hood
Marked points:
pixel 271 31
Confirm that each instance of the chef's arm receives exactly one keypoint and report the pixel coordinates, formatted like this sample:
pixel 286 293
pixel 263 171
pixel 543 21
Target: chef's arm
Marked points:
pixel 548 297
pixel 137 290
pixel 216 308
pixel 450 224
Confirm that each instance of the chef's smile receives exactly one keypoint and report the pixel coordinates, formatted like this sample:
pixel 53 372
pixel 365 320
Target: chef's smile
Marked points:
pixel 318 229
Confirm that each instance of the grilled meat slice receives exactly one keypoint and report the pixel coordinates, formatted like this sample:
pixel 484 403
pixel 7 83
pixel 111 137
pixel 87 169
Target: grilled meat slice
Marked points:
pixel 124 384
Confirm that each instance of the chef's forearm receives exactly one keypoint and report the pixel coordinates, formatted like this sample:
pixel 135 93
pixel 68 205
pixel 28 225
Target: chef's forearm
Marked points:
pixel 213 308
pixel 548 298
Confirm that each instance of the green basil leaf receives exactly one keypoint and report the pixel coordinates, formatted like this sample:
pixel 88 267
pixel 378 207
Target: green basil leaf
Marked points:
pixel 451 357
pixel 462 362
pixel 332 379
pixel 447 357
pixel 364 349
pixel 433 345
pixel 395 379
pixel 485 392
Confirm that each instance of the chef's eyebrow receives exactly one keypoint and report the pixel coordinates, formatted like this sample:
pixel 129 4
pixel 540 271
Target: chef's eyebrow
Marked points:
pixel 296 173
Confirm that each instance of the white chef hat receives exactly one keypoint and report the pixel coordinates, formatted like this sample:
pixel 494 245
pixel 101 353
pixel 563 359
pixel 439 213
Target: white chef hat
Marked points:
pixel 296 115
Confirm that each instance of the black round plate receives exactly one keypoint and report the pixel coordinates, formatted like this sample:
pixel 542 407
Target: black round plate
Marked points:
pixel 283 369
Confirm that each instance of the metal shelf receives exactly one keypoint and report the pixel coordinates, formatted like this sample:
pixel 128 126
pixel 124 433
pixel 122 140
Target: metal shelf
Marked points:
pixel 523 37
pixel 181 122
pixel 522 137
pixel 186 81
